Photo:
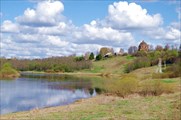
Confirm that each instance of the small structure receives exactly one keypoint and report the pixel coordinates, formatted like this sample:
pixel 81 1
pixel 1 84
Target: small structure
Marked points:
pixel 159 69
pixel 108 55
pixel 143 46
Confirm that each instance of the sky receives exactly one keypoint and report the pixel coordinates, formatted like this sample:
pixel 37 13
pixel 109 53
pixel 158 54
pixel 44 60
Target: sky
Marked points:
pixel 46 28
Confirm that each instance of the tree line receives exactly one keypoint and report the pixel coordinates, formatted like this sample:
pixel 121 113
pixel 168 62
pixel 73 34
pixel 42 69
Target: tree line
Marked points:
pixel 53 64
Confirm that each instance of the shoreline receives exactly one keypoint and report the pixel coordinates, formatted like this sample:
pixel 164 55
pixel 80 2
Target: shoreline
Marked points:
pixel 74 73
pixel 100 106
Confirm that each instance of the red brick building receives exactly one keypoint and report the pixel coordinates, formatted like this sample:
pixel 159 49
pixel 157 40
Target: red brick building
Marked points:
pixel 143 46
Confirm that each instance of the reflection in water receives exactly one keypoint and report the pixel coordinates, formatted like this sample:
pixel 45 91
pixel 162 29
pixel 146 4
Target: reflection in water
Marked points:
pixel 27 93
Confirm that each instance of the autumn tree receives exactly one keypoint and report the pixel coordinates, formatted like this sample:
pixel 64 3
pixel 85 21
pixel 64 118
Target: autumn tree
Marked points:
pixel 159 48
pixel 105 50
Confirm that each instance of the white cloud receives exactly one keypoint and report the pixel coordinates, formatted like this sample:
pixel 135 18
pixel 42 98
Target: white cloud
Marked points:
pixel 45 14
pixel 176 25
pixel 61 28
pixel 131 15
pixel 170 34
pixel 8 26
pixel 92 34
pixel 173 34
pixel 45 32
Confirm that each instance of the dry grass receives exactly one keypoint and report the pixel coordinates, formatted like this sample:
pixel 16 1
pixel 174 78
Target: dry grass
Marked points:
pixel 109 107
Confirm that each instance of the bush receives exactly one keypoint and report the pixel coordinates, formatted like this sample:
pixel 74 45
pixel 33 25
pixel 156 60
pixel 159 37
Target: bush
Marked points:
pixel 155 87
pixel 99 57
pixel 123 87
pixel 8 72
pixel 91 57
pixel 175 69
pixel 137 63
pixel 140 54
pixel 79 58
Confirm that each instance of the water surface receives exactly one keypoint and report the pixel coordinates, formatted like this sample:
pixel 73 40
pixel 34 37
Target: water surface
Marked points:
pixel 38 91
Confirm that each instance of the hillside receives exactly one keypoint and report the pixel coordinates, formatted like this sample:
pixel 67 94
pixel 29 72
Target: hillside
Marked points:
pixel 114 65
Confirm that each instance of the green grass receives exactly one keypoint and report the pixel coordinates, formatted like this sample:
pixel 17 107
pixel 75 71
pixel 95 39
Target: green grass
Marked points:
pixel 7 72
pixel 109 107
pixel 114 65
pixel 168 81
pixel 129 57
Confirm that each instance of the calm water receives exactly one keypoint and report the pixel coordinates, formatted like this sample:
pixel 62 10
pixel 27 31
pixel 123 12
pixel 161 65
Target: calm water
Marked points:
pixel 38 91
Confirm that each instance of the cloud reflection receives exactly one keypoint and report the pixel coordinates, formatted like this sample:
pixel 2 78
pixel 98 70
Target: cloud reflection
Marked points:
pixel 30 94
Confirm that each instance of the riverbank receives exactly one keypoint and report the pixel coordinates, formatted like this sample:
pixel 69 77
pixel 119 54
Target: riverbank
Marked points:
pixel 166 106
pixel 73 73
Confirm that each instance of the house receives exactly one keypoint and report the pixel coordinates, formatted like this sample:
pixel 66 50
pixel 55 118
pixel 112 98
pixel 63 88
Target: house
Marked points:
pixel 105 50
pixel 143 46
pixel 108 55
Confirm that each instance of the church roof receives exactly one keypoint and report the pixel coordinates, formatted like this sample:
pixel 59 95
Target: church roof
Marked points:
pixel 143 43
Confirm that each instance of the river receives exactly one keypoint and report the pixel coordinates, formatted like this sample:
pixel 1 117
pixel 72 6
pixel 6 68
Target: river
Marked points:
pixel 40 90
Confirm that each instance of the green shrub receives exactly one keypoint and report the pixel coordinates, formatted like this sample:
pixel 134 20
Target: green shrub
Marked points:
pixel 140 62
pixel 99 57
pixel 175 69
pixel 79 58
pixel 123 87
pixel 7 71
pixel 155 87
pixel 91 57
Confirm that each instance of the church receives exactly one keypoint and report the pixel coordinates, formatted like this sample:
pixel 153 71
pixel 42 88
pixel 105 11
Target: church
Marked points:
pixel 143 46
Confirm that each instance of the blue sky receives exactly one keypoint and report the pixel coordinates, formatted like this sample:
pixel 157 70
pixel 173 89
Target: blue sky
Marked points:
pixel 81 12
pixel 70 24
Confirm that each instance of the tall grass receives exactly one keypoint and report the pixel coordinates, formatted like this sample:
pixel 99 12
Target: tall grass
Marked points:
pixel 126 85
pixel 155 88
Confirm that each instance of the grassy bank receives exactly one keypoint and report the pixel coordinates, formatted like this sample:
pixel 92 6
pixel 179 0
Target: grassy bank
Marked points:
pixel 7 72
pixel 104 107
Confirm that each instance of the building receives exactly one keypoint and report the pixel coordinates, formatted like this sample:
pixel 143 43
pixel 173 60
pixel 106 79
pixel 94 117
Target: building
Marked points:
pixel 143 46
pixel 132 49
pixel 121 52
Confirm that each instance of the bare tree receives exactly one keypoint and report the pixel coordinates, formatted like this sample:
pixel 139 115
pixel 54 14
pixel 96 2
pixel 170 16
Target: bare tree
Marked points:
pixel 132 49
